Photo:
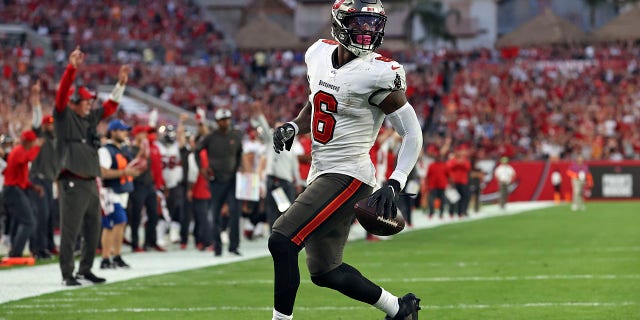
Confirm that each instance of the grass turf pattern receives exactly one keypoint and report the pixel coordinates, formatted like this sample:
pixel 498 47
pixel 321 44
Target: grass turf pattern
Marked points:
pixel 545 264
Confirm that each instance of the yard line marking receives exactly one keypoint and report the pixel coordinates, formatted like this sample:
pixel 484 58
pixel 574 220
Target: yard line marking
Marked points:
pixel 69 299
pixel 463 264
pixel 451 279
pixel 32 309
pixel 534 305
pixel 41 306
pixel 527 252
pixel 430 279
pixel 520 278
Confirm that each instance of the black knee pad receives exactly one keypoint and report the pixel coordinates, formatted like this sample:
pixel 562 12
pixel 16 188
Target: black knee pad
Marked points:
pixel 332 279
pixel 281 246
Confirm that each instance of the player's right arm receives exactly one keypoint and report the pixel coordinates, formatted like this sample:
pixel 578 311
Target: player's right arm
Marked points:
pixel 62 95
pixel 283 135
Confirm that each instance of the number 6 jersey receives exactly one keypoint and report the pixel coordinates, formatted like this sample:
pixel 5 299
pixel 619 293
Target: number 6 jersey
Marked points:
pixel 345 118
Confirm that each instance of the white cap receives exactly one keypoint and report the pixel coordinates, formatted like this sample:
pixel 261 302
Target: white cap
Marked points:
pixel 222 113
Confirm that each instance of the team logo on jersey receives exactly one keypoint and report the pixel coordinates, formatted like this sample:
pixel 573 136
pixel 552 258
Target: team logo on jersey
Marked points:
pixel 329 85
pixel 397 83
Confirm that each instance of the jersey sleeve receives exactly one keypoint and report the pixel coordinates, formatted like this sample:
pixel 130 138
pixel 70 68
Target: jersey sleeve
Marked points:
pixel 391 78
pixel 105 158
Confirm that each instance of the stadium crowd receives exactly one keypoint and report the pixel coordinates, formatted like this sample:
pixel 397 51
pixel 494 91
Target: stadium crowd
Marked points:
pixel 152 31
pixel 529 107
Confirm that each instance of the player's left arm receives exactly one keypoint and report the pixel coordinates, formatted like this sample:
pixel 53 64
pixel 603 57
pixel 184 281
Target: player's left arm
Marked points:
pixel 405 122
pixel 111 105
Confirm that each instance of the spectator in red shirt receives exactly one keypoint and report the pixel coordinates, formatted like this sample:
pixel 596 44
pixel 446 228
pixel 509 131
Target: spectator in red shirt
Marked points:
pixel 200 195
pixel 459 168
pixel 437 181
pixel 16 186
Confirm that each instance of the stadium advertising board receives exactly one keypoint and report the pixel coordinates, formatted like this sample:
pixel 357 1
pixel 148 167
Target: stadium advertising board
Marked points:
pixel 611 180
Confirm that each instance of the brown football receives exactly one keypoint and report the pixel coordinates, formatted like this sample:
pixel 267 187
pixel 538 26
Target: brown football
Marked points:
pixel 374 223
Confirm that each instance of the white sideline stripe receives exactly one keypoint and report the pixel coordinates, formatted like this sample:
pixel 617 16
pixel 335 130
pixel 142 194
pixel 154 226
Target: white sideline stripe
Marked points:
pixel 33 309
pixel 462 264
pixel 20 283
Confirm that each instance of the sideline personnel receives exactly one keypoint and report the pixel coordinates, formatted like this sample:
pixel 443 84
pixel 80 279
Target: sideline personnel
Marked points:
pixel 77 149
pixel 16 197
pixel 224 148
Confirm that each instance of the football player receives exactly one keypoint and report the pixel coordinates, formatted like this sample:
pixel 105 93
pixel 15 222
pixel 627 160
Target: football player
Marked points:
pixel 352 90
pixel 171 141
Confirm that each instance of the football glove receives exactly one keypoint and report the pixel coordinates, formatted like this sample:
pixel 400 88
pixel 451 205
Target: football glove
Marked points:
pixel 386 199
pixel 283 137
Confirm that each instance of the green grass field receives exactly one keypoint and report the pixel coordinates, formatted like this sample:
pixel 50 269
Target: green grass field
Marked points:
pixel 546 264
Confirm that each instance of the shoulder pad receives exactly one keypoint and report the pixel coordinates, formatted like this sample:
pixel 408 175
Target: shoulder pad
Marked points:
pixel 319 45
pixel 391 73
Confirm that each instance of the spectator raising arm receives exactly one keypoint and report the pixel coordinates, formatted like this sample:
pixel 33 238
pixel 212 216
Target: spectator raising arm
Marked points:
pixel 62 95
pixel 180 135
pixel 34 99
pixel 111 105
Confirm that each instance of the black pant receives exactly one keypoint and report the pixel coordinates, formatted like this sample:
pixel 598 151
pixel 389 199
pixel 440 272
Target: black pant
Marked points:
pixel 405 205
pixel 254 211
pixel 143 196
pixel 203 229
pixel 17 204
pixel 187 213
pixel 474 190
pixel 79 213
pixel 270 205
pixel 43 209
pixel 225 192
pixel 175 205
pixel 433 195
pixel 461 206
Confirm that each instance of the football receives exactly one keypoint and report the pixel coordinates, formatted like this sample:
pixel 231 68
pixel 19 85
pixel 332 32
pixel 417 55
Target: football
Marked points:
pixel 374 223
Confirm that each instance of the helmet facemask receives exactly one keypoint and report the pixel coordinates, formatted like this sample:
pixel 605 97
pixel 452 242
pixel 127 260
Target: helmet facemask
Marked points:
pixel 168 134
pixel 360 32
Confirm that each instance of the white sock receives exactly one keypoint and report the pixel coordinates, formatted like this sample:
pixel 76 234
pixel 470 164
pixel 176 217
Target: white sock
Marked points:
pixel 258 230
pixel 279 316
pixel 388 303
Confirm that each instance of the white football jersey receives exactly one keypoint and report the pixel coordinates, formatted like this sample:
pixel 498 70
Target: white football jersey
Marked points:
pixel 172 171
pixel 345 118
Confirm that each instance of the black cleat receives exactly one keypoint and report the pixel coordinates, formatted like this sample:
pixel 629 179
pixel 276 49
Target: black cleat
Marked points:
pixel 71 282
pixel 409 307
pixel 118 262
pixel 42 256
pixel 106 264
pixel 90 277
